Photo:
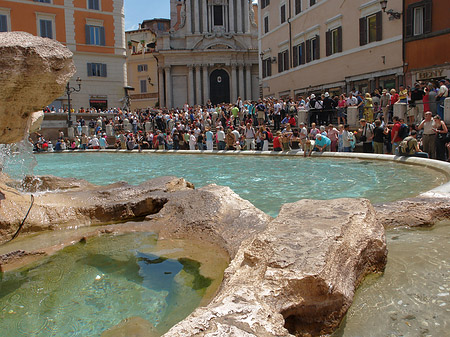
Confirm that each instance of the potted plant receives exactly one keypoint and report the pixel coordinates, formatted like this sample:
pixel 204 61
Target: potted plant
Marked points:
pixel 130 45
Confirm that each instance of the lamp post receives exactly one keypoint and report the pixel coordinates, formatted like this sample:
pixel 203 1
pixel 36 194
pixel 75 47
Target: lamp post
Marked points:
pixel 392 14
pixel 70 90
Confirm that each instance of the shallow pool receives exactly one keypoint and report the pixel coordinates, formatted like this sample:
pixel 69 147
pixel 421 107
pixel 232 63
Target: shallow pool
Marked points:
pixel 267 182
pixel 412 297
pixel 90 287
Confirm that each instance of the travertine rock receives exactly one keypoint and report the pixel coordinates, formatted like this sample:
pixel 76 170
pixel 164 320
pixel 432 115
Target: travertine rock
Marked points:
pixel 36 121
pixel 297 277
pixel 77 203
pixel 33 72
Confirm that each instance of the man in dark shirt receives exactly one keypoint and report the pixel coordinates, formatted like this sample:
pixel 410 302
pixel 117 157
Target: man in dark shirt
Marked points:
pixel 329 106
pixel 416 104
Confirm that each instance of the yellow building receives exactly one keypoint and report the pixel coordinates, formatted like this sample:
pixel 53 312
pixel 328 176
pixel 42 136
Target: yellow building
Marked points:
pixel 92 29
pixel 142 63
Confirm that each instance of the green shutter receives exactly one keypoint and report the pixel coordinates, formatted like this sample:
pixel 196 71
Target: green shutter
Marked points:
pixel 427 27
pixel 88 34
pixel 379 18
pixel 102 36
pixel 328 43
pixel 363 31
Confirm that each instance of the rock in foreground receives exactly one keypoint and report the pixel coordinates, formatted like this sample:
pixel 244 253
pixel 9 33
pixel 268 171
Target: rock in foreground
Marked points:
pixel 298 277
pixel 33 72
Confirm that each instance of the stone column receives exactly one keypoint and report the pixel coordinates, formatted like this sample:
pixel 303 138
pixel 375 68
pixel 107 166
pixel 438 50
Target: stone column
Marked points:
pixel 233 84
pixel 191 85
pixel 246 17
pixel 205 83
pixel 248 81
pixel 168 87
pixel 161 87
pixel 188 16
pixel 205 15
pixel 400 110
pixel 198 85
pixel 196 17
pixel 239 15
pixel 447 110
pixel 353 116
pixel 241 85
pixel 231 16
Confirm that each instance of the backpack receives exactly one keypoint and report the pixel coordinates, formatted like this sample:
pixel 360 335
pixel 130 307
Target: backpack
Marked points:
pixel 404 147
pixel 404 131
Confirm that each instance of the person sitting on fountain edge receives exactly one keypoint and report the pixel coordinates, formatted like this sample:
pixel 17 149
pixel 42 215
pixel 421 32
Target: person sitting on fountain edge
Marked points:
pixel 410 148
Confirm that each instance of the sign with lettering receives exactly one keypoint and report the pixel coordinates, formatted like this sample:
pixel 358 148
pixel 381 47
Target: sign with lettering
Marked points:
pixel 424 75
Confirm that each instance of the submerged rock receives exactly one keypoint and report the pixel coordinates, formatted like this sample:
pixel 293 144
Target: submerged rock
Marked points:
pixel 33 72
pixel 298 276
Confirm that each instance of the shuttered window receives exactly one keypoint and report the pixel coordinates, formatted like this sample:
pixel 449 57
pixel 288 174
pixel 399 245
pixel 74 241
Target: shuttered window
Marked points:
pixel 418 19
pixel 267 67
pixel 298 55
pixel 95 35
pixel 265 3
pixel 283 61
pixel 371 28
pixel 96 69
pixel 298 6
pixel 266 24
pixel 313 49
pixel 283 14
pixel 3 23
pixel 143 86
pixel 334 41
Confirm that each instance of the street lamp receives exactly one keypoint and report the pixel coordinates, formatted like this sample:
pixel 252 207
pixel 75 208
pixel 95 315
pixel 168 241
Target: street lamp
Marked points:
pixel 392 14
pixel 70 90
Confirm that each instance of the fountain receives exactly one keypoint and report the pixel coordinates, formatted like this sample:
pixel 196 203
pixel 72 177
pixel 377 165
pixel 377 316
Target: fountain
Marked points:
pixel 292 275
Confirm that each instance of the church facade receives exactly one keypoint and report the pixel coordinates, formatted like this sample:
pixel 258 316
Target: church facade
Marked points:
pixel 210 53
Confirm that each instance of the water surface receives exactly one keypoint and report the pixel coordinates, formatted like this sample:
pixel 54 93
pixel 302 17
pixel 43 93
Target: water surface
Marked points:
pixel 267 182
pixel 85 289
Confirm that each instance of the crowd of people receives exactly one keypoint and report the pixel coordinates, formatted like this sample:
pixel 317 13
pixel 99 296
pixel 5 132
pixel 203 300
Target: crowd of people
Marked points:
pixel 272 122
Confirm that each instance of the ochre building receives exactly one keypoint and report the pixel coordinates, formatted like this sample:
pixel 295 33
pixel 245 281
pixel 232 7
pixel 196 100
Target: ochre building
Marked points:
pixel 92 29
pixel 312 46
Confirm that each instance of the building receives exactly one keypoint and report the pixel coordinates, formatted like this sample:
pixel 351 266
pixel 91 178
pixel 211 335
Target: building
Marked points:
pixel 312 46
pixel 210 53
pixel 92 29
pixel 142 65
pixel 427 36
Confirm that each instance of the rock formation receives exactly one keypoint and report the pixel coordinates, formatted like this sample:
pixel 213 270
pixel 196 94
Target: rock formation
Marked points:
pixel 298 276
pixel 33 72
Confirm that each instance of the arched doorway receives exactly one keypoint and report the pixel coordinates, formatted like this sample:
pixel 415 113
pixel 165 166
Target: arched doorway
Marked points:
pixel 219 86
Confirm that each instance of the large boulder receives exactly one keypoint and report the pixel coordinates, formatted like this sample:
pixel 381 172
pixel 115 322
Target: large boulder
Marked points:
pixel 71 202
pixel 33 72
pixel 297 277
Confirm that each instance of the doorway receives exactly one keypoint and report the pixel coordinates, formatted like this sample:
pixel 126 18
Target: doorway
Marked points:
pixel 219 86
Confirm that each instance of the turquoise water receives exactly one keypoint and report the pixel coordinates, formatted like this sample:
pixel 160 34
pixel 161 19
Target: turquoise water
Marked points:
pixel 412 297
pixel 267 182
pixel 88 288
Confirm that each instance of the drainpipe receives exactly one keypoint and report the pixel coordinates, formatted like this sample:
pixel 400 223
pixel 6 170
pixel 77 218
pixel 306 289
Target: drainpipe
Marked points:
pixel 290 37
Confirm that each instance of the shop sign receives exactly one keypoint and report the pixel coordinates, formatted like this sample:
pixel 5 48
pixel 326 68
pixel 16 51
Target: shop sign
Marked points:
pixel 424 75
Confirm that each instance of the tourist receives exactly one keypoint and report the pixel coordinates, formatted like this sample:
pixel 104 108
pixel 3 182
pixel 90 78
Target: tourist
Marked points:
pixel 322 143
pixel 378 137
pixel 230 140
pixel 366 136
pixel 264 138
pixel 295 140
pixel 429 135
pixel 385 101
pixel 347 139
pixel 415 110
pixel 368 108
pixel 250 134
pixel 221 138
pixel 192 140
pixel 409 147
pixel 395 135
pixel 441 137
pixel 277 142
pixel 342 112
pixel 440 98
pixel 209 139
pixel 333 134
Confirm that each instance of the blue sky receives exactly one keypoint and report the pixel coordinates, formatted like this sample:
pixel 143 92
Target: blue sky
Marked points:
pixel 137 11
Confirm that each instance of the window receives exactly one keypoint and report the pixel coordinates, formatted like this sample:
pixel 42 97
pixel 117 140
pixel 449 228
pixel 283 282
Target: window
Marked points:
pixel 370 29
pixel 266 67
pixel 418 21
pixel 143 84
pixel 334 41
pixel 96 69
pixel 142 67
pixel 298 54
pixel 265 3
pixel 95 35
pixel 94 4
pixel 3 23
pixel 266 24
pixel 312 2
pixel 283 61
pixel 46 28
pixel 218 15
pixel 313 49
pixel 418 18
pixel 161 26
pixel 45 1
pixel 298 6
pixel 283 13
